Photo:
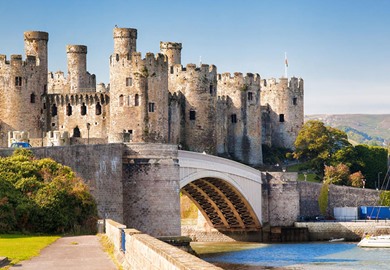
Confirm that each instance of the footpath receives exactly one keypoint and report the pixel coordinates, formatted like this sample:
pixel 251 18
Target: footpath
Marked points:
pixel 71 253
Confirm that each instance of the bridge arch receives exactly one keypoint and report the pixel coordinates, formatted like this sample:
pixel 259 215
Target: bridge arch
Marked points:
pixel 227 193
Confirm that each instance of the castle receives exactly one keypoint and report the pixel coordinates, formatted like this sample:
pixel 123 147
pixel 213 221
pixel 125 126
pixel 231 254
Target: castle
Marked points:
pixel 149 99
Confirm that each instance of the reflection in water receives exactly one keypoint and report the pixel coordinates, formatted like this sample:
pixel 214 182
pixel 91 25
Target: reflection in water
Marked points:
pixel 294 256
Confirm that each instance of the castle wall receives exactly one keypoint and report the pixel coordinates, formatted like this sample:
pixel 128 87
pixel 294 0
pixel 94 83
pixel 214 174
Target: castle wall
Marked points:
pixel 198 85
pixel 151 188
pixel 286 116
pixel 243 116
pixel 81 115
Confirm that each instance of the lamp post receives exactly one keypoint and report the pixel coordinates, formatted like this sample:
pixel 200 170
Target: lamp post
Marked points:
pixel 88 128
pixel 379 180
pixel 42 124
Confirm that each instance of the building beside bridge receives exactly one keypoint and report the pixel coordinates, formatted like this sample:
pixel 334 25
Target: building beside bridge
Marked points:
pixel 150 99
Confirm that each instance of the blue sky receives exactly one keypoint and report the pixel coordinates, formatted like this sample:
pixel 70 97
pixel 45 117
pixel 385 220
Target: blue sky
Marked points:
pixel 341 48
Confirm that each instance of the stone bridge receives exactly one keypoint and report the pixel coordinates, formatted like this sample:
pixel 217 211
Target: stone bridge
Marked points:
pixel 227 193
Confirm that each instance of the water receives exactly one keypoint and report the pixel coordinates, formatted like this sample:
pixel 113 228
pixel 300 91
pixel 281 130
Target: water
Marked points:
pixel 299 256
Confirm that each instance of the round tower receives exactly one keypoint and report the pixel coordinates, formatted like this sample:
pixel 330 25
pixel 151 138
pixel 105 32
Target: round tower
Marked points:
pixel 173 51
pixel 35 44
pixel 125 41
pixel 77 67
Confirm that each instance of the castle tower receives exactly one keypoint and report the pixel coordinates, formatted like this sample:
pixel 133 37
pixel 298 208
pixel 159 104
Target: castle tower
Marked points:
pixel 35 44
pixel 243 116
pixel 125 41
pixel 77 67
pixel 173 51
pixel 284 102
pixel 138 92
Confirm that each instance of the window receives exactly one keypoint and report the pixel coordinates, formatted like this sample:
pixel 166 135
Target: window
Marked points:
pixel 250 96
pixel 83 109
pixel 151 107
pixel 295 101
pixel 45 89
pixel 53 110
pixel 129 81
pixel 98 109
pixel 121 100
pixel 32 98
pixel 233 118
pixel 136 100
pixel 127 136
pixel 18 81
pixel 281 118
pixel 68 110
pixel 76 132
pixel 192 115
pixel 171 69
pixel 211 88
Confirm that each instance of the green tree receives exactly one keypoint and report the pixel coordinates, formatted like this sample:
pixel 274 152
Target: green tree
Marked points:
pixel 338 175
pixel 317 144
pixel 42 196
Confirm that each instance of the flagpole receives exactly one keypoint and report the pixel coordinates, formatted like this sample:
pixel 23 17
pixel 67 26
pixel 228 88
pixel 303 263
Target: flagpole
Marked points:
pixel 285 65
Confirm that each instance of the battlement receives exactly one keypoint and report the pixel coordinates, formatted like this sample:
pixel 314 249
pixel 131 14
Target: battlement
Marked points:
pixel 76 49
pixel 36 35
pixel 170 45
pixel 239 78
pixel 125 33
pixel 193 68
pixel 293 82
pixel 79 98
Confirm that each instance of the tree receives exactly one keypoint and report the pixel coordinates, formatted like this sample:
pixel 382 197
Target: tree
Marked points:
pixel 356 179
pixel 317 144
pixel 42 196
pixel 338 175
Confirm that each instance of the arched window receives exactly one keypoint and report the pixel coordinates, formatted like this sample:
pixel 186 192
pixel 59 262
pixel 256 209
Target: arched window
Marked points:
pixel 136 100
pixel 98 109
pixel 76 132
pixel 121 100
pixel 53 110
pixel 68 110
pixel 83 109
pixel 32 98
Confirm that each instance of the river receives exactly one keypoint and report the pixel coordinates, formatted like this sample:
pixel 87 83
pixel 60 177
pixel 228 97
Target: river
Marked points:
pixel 322 255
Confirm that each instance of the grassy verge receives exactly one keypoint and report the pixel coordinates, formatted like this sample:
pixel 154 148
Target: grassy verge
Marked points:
pixel 20 247
pixel 108 247
pixel 301 168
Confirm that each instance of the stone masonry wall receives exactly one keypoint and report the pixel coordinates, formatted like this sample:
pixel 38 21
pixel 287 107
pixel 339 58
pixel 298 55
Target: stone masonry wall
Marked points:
pixel 151 189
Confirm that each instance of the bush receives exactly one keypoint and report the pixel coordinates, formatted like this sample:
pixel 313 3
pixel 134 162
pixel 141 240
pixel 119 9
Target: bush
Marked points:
pixel 42 196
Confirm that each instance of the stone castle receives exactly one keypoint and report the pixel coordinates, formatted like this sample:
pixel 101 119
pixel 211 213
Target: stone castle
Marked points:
pixel 149 99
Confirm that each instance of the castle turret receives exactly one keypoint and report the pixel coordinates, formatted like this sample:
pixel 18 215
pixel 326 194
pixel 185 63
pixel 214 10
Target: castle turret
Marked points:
pixel 243 116
pixel 173 51
pixel 77 67
pixel 283 101
pixel 125 41
pixel 35 44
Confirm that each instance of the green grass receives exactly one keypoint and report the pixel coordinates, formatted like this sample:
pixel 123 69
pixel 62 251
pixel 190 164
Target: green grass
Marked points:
pixel 20 247
pixel 300 168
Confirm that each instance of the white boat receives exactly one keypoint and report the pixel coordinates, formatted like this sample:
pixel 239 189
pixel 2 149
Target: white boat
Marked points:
pixel 381 241
pixel 337 240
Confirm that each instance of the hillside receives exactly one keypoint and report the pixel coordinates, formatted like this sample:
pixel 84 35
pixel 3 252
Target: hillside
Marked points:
pixel 372 129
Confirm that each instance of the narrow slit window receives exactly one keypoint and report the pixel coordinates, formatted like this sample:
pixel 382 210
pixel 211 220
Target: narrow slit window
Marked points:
pixel 281 118
pixel 32 98
pixel 129 81
pixel 53 110
pixel 151 107
pixel 121 100
pixel 295 101
pixel 98 109
pixel 250 96
pixel 18 81
pixel 136 100
pixel 83 109
pixel 233 118
pixel 68 109
pixel 192 115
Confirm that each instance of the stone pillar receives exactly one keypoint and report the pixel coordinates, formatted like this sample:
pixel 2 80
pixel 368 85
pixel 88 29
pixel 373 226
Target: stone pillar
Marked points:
pixel 151 189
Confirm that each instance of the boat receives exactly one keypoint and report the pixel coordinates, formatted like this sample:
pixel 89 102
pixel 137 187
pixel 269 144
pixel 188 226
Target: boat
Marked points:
pixel 337 240
pixel 381 241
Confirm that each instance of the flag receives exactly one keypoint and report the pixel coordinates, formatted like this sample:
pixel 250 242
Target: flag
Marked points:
pixel 286 62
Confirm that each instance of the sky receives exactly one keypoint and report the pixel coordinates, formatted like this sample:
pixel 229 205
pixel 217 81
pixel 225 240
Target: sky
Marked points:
pixel 341 48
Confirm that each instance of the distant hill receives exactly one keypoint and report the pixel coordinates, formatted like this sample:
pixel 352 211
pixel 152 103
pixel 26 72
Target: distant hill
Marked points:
pixel 372 129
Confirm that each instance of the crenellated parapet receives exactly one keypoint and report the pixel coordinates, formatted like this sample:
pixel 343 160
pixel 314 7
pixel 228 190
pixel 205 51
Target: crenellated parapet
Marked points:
pixel 78 99
pixel 173 51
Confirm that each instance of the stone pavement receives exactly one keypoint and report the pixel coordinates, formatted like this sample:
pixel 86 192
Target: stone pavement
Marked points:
pixel 71 253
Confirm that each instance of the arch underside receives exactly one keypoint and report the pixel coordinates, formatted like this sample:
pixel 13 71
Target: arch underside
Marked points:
pixel 222 205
